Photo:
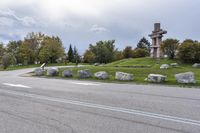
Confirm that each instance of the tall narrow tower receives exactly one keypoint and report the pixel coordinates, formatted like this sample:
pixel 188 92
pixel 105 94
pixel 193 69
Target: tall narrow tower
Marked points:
pixel 156 37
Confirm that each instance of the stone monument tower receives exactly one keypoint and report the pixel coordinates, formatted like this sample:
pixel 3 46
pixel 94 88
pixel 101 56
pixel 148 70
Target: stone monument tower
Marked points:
pixel 156 37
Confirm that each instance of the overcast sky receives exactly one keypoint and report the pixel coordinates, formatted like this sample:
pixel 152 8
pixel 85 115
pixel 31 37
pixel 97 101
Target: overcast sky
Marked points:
pixel 82 22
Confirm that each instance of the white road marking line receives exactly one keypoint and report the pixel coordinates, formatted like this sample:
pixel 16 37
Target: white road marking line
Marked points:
pixel 16 85
pixel 88 84
pixel 110 108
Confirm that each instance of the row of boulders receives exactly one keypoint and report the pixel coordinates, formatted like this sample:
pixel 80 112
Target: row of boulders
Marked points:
pixel 167 66
pixel 50 72
pixel 175 65
pixel 84 74
pixel 183 78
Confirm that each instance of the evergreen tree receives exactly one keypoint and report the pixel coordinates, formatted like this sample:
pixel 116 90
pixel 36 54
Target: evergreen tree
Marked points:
pixel 70 54
pixel 76 56
pixel 144 44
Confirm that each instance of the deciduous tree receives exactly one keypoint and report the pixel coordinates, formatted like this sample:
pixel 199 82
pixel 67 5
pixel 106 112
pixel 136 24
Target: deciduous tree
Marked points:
pixel 104 51
pixel 13 47
pixel 189 51
pixel 169 47
pixel 128 52
pixel 140 52
pixel 89 57
pixel 50 50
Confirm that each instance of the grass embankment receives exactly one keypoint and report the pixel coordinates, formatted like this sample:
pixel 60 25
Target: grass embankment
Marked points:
pixel 18 67
pixel 143 62
pixel 141 73
pixel 32 66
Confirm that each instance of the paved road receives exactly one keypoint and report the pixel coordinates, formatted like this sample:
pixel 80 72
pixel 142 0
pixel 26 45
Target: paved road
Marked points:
pixel 39 105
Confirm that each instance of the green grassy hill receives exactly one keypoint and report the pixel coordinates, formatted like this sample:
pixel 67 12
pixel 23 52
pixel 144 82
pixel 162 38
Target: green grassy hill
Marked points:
pixel 140 62
pixel 140 71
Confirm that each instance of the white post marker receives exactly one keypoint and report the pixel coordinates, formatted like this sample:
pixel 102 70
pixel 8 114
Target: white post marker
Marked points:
pixel 43 65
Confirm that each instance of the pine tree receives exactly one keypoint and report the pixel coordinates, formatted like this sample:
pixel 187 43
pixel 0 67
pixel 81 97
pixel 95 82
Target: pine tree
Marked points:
pixel 144 44
pixel 70 54
pixel 76 56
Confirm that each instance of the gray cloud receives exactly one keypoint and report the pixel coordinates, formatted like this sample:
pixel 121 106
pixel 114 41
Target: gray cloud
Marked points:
pixel 81 23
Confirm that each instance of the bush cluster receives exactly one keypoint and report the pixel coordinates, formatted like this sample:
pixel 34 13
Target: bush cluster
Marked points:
pixel 189 51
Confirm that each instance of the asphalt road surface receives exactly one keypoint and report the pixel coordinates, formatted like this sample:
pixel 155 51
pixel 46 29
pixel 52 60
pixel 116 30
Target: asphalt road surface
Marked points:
pixel 39 105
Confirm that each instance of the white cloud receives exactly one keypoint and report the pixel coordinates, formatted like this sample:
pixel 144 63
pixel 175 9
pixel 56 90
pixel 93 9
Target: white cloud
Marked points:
pixel 98 29
pixel 124 20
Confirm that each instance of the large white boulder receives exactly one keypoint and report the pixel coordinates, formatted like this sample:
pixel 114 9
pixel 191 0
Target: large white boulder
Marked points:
pixel 164 66
pixel 196 65
pixel 67 73
pixel 39 72
pixel 123 76
pixel 174 65
pixel 156 78
pixel 97 64
pixel 185 78
pixel 52 71
pixel 84 73
pixel 101 75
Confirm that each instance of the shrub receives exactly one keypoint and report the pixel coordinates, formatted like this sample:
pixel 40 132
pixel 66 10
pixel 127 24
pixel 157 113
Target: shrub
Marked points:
pixel 169 47
pixel 128 52
pixel 137 53
pixel 88 57
pixel 189 52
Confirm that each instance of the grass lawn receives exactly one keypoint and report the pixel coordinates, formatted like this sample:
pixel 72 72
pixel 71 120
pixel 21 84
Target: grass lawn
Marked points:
pixel 18 67
pixel 141 73
pixel 140 62
pixel 32 66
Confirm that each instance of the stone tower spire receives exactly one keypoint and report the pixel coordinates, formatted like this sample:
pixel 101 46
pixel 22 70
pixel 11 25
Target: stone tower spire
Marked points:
pixel 156 37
